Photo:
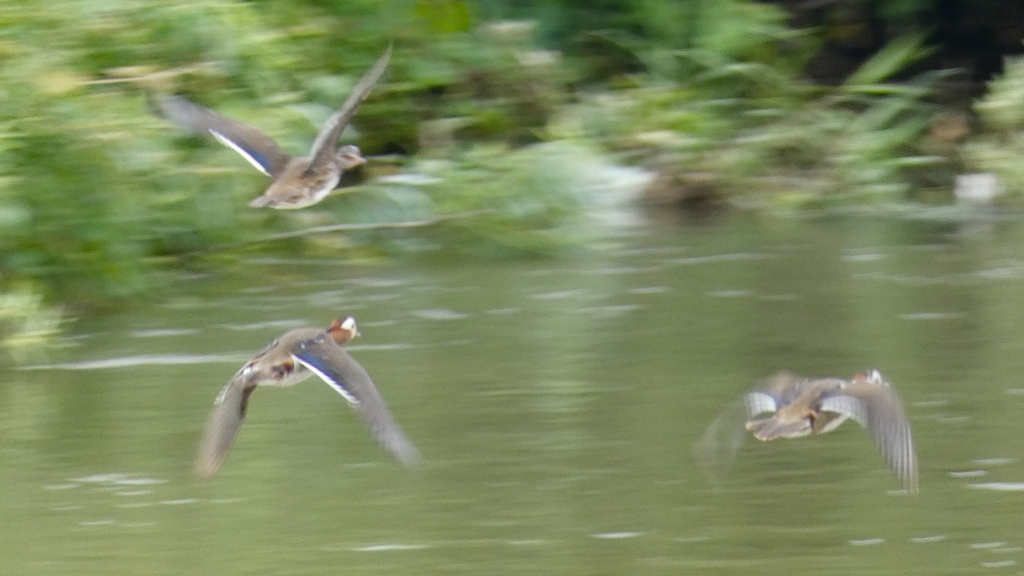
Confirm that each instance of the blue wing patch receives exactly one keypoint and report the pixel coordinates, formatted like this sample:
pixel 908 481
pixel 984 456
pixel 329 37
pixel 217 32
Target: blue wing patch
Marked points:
pixel 319 367
pixel 259 161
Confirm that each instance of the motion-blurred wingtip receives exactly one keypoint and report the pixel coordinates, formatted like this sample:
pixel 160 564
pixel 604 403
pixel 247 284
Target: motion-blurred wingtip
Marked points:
pixel 204 471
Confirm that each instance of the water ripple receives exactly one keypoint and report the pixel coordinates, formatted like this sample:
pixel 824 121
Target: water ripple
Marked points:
pixel 648 290
pixel 733 257
pixel 177 501
pixel 440 314
pixel 161 332
pixel 864 257
pixel 142 360
pixel 930 315
pixel 994 461
pixel 987 545
pixel 616 535
pixel 608 311
pixel 390 547
pixel 967 473
pixel 734 293
pixel 927 539
pixel 867 541
pixel 104 522
pixel 291 323
pixel 999 486
pixel 557 294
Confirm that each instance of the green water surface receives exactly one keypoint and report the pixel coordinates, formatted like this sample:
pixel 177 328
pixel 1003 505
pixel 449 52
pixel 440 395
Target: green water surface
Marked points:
pixel 556 404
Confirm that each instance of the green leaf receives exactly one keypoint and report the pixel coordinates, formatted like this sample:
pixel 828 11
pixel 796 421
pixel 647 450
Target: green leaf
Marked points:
pixel 894 57
pixel 445 16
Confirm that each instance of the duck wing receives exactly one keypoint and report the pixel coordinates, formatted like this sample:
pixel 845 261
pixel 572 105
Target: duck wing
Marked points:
pixel 326 141
pixel 222 427
pixel 325 358
pixel 878 409
pixel 248 141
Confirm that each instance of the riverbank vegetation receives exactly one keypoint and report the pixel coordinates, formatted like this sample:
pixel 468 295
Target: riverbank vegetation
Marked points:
pixel 474 132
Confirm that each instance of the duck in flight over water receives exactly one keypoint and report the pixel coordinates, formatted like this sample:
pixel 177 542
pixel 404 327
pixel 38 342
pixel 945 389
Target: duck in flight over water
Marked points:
pixel 789 406
pixel 296 182
pixel 289 359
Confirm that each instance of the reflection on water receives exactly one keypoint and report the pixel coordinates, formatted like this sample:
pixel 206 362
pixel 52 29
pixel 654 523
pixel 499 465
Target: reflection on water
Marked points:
pixel 556 405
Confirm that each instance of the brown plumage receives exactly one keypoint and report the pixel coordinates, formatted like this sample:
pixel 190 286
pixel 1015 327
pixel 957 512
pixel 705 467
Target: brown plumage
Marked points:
pixel 789 406
pixel 289 359
pixel 297 182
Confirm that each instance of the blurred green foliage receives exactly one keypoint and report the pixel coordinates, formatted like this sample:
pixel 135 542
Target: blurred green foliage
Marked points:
pixel 28 327
pixel 737 107
pixel 98 195
pixel 1000 148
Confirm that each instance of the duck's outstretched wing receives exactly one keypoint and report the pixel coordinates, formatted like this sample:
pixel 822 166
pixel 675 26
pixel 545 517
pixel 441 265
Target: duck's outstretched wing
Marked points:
pixel 252 144
pixel 222 427
pixel 326 141
pixel 877 408
pixel 763 402
pixel 340 371
pixel 720 442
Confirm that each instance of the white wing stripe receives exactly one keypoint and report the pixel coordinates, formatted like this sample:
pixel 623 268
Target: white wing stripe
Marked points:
pixel 848 406
pixel 759 402
pixel 330 381
pixel 241 151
